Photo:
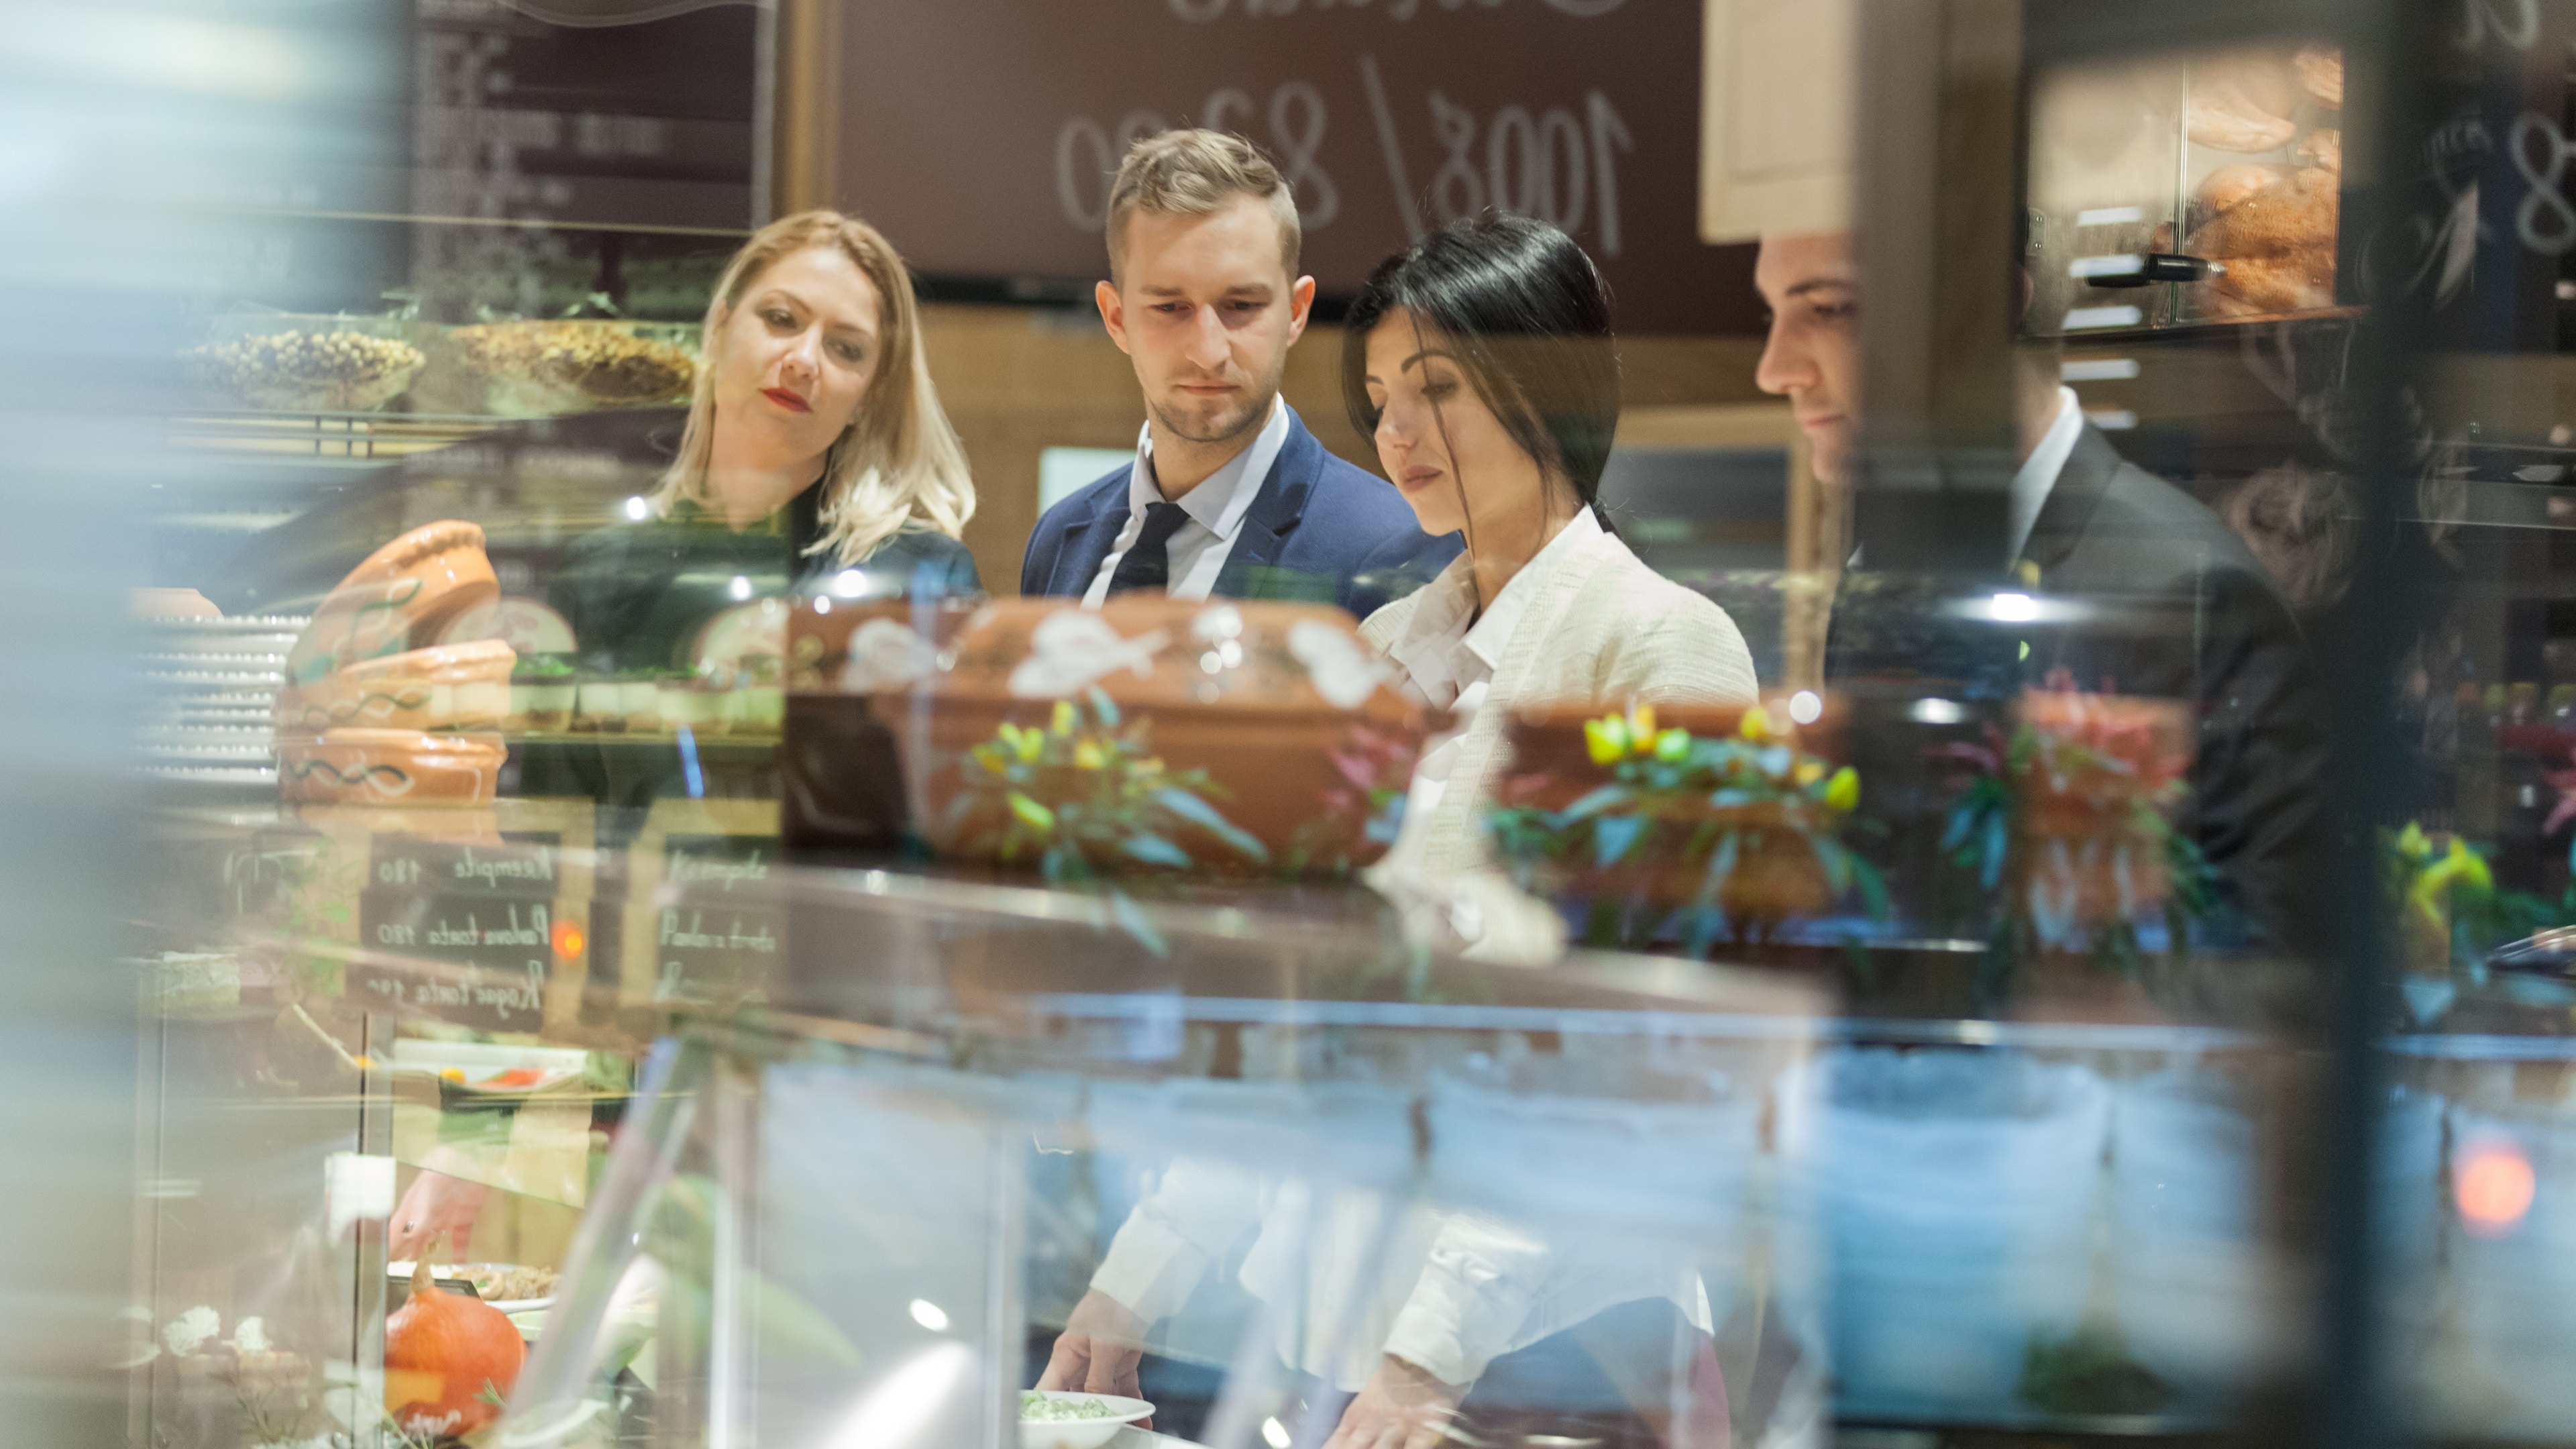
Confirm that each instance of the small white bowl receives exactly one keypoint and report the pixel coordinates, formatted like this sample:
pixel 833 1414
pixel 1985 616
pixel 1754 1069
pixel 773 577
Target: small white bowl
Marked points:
pixel 1082 1433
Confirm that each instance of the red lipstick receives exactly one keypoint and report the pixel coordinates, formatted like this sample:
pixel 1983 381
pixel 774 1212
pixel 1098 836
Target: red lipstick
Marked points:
pixel 786 399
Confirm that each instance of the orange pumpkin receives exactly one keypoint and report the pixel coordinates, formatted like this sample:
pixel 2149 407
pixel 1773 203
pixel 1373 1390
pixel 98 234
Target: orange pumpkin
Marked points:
pixel 447 1358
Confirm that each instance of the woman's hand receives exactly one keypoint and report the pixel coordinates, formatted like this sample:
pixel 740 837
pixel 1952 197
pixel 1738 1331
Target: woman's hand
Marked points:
pixel 1401 1407
pixel 436 1203
pixel 1102 1342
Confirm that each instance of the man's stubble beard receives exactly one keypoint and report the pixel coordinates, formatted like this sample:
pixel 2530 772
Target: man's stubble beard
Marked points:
pixel 1228 426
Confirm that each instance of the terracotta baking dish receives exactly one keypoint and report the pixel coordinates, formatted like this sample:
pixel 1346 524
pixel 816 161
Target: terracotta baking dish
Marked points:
pixel 390 767
pixel 450 687
pixel 398 599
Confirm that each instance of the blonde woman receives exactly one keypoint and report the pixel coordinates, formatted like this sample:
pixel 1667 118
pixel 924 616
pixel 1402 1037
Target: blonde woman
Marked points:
pixel 814 449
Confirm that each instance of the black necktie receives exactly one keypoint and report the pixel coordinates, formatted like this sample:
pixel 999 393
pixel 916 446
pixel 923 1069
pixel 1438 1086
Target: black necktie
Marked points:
pixel 1147 563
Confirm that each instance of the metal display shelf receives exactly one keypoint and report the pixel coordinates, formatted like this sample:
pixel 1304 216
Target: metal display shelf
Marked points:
pixel 348 439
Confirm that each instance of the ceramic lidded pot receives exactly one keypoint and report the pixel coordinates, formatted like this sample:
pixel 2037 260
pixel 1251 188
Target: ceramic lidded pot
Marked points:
pixel 450 687
pixel 2090 816
pixel 400 598
pixel 1223 736
pixel 1680 824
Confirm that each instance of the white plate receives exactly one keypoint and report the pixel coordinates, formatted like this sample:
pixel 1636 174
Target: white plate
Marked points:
pixel 1083 1433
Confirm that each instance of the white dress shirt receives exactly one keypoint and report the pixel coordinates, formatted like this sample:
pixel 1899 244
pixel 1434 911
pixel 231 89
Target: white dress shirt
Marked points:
pixel 1199 548
pixel 2038 472
pixel 1448 651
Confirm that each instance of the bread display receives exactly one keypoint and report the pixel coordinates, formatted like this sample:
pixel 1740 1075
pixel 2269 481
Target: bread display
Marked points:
pixel 540 369
pixel 390 767
pixel 2228 185
pixel 307 370
pixel 2243 104
pixel 450 687
pixel 2239 170
pixel 2321 73
pixel 398 599
pixel 2278 246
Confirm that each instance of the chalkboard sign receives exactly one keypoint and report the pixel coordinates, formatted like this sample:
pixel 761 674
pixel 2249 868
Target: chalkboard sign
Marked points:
pixel 489 907
pixel 981 134
pixel 714 936
pixel 612 120
pixel 626 116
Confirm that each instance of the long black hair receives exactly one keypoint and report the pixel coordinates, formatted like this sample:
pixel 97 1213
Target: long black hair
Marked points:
pixel 1529 317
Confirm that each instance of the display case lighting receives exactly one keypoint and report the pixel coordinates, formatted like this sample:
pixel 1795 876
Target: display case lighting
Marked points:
pixel 2098 369
pixel 2085 319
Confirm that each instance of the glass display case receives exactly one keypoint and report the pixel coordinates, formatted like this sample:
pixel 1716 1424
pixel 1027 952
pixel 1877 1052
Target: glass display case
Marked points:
pixel 2188 188
pixel 1621 1198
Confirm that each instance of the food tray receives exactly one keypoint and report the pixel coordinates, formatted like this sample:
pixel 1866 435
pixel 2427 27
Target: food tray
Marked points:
pixel 551 368
pixel 294 362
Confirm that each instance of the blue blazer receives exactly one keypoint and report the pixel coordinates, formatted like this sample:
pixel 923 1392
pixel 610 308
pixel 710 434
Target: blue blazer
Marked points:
pixel 1319 530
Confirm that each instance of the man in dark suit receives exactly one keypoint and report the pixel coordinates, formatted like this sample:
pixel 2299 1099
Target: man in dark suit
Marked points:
pixel 1229 495
pixel 2141 590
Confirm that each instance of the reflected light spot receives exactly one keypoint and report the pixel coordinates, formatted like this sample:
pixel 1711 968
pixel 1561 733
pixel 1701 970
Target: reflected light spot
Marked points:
pixel 1274 1433
pixel 848 582
pixel 568 940
pixel 1805 707
pixel 636 508
pixel 929 1315
pixel 897 1410
pixel 2493 1185
pixel 2013 608
pixel 1937 712
pixel 740 588
pixel 823 605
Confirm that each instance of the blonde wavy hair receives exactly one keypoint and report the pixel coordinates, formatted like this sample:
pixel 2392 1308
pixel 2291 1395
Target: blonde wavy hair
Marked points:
pixel 898 465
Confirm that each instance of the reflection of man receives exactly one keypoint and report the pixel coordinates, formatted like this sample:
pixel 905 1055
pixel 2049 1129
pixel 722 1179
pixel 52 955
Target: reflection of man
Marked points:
pixel 2181 608
pixel 1229 494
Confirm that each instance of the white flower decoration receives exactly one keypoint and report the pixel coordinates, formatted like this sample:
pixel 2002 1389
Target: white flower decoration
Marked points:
pixel 1073 648
pixel 190 1331
pixel 1217 623
pixel 1343 670
pixel 886 655
pixel 250 1336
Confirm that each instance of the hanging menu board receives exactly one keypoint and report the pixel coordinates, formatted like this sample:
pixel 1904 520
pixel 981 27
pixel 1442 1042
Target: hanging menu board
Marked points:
pixel 981 134
pixel 615 115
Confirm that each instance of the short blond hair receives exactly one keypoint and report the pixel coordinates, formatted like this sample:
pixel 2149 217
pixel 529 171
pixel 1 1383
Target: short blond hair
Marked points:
pixel 899 465
pixel 1196 173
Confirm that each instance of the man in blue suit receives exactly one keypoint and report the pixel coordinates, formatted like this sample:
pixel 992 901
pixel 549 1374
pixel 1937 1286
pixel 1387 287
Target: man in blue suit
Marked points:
pixel 1229 495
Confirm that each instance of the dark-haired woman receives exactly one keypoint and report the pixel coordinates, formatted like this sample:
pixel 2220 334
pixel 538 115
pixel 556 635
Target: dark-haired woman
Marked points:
pixel 1481 363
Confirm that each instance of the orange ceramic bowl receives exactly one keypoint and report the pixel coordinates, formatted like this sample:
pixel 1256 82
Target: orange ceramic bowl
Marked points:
pixel 399 599
pixel 390 767
pixel 451 687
